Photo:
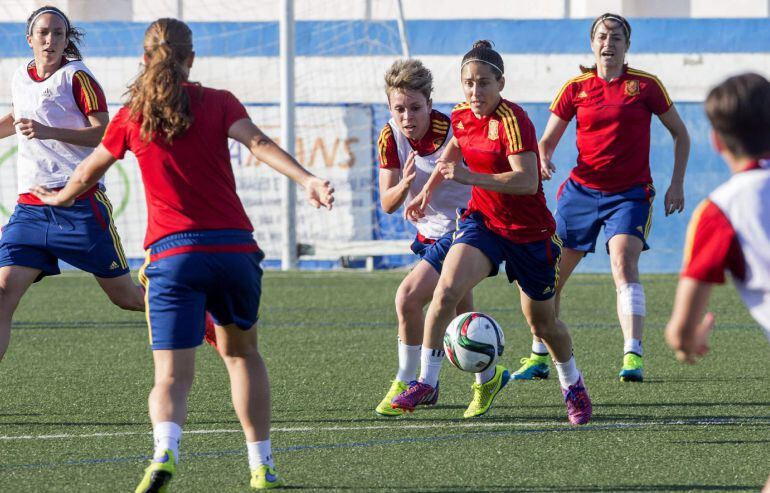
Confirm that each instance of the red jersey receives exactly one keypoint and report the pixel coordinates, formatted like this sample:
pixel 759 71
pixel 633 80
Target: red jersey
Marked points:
pixel 432 140
pixel 712 246
pixel 189 184
pixel 613 126
pixel 486 143
pixel 87 92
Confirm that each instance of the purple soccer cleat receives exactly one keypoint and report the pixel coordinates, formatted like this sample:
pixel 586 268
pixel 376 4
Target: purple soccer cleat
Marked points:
pixel 578 403
pixel 418 394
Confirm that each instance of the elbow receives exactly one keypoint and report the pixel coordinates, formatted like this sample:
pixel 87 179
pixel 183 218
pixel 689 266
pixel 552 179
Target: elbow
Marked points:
pixel 531 187
pixel 389 208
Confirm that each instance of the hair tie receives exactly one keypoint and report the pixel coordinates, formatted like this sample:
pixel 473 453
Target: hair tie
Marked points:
pixel 48 11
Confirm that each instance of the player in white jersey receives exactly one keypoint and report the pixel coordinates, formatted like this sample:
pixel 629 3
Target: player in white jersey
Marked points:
pixel 730 230
pixel 409 145
pixel 59 114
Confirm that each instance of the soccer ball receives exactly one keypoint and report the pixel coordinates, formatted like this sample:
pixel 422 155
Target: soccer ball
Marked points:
pixel 473 342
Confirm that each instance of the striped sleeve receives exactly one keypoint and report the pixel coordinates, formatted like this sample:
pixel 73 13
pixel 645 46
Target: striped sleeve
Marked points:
pixel 655 95
pixel 386 149
pixel 562 105
pixel 516 130
pixel 88 94
pixel 711 246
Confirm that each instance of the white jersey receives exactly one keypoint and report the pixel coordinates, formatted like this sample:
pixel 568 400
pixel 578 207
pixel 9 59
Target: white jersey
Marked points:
pixel 745 201
pixel 440 215
pixel 50 102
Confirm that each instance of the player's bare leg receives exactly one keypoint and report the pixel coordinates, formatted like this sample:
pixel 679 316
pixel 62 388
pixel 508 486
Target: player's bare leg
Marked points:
pixel 14 282
pixel 123 292
pixel 631 306
pixel 541 317
pixel 535 367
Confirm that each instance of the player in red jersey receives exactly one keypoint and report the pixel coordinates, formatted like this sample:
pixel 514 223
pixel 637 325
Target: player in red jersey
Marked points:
pixel 611 186
pixel 59 114
pixel 506 220
pixel 730 230
pixel 201 252
pixel 409 146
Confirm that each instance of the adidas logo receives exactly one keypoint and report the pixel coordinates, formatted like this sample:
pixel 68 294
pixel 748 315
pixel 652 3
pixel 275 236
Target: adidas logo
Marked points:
pixel 114 265
pixel 460 126
pixel 47 93
pixel 640 229
pixel 581 94
pixel 547 290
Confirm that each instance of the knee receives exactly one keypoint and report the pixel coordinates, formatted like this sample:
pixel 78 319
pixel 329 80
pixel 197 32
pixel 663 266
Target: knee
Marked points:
pixel 407 300
pixel 447 296
pixel 177 382
pixel 624 269
pixel 233 353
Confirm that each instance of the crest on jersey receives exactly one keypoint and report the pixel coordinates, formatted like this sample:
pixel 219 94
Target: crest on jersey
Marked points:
pixel 492 133
pixel 631 88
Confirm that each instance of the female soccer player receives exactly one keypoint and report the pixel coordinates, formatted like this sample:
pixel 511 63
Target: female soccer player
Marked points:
pixel 200 251
pixel 506 220
pixel 730 230
pixel 59 114
pixel 611 185
pixel 409 146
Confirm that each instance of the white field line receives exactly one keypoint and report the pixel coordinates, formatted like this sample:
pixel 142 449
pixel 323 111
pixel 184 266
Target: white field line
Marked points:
pixel 552 426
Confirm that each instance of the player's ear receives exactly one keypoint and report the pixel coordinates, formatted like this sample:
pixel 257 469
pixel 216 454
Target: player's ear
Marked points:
pixel 501 82
pixel 29 41
pixel 190 59
pixel 430 105
pixel 716 142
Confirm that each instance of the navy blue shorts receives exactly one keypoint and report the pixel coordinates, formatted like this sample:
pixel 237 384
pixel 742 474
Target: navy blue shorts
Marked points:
pixel 533 265
pixel 188 274
pixel 582 211
pixel 433 253
pixel 82 235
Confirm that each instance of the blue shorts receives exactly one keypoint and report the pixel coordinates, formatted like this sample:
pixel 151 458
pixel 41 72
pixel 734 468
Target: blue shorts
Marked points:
pixel 188 274
pixel 433 253
pixel 582 211
pixel 533 265
pixel 82 235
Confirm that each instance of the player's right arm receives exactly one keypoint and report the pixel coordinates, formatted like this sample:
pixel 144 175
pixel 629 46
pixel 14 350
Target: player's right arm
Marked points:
pixel 6 126
pixel 451 154
pixel 554 130
pixel 319 192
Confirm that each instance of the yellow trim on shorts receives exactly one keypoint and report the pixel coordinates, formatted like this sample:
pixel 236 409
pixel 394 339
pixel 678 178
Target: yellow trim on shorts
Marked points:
pixel 145 282
pixel 102 198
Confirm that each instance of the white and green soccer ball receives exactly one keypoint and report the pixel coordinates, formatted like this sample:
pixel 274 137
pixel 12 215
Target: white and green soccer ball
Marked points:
pixel 473 342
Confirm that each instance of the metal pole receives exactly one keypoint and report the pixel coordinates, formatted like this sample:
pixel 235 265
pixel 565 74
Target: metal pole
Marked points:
pixel 402 29
pixel 180 9
pixel 289 247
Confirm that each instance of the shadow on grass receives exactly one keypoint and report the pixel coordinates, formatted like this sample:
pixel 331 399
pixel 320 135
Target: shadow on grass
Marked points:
pixel 552 489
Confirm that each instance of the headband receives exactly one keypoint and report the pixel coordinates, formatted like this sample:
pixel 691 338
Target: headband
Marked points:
pixel 466 62
pixel 48 11
pixel 610 17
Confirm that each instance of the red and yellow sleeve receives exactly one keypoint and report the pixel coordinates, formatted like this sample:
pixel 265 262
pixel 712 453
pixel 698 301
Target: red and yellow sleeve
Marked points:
pixel 515 130
pixel 562 105
pixel 387 150
pixel 88 94
pixel 711 246
pixel 655 95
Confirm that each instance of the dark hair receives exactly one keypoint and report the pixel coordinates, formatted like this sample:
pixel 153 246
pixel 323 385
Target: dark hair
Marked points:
pixel 156 98
pixel 739 111
pixel 607 17
pixel 482 52
pixel 73 34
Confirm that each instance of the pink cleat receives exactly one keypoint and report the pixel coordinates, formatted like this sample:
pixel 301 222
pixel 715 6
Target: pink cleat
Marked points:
pixel 578 403
pixel 417 394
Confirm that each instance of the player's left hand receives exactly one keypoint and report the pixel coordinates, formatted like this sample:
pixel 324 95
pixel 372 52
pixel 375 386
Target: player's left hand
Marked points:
pixel 50 197
pixel 32 129
pixel 320 193
pixel 674 199
pixel 451 170
pixel 690 347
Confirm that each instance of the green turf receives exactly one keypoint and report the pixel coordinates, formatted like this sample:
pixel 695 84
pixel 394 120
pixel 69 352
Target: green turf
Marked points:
pixel 81 368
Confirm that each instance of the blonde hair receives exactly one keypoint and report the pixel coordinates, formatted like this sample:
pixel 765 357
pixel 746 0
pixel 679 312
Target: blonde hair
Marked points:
pixel 409 75
pixel 157 98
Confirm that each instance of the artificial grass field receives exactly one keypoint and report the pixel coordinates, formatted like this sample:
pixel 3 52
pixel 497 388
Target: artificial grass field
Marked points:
pixel 75 380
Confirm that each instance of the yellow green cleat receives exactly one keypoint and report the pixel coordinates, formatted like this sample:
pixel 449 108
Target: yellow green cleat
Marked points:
pixel 264 477
pixel 484 393
pixel 633 368
pixel 384 408
pixel 158 474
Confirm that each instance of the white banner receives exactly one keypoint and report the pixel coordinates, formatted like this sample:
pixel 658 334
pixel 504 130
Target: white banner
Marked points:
pixel 334 142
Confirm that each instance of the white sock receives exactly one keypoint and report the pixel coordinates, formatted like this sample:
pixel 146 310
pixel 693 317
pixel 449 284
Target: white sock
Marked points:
pixel 260 453
pixel 539 348
pixel 568 373
pixel 632 346
pixel 486 375
pixel 167 436
pixel 430 365
pixel 408 360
